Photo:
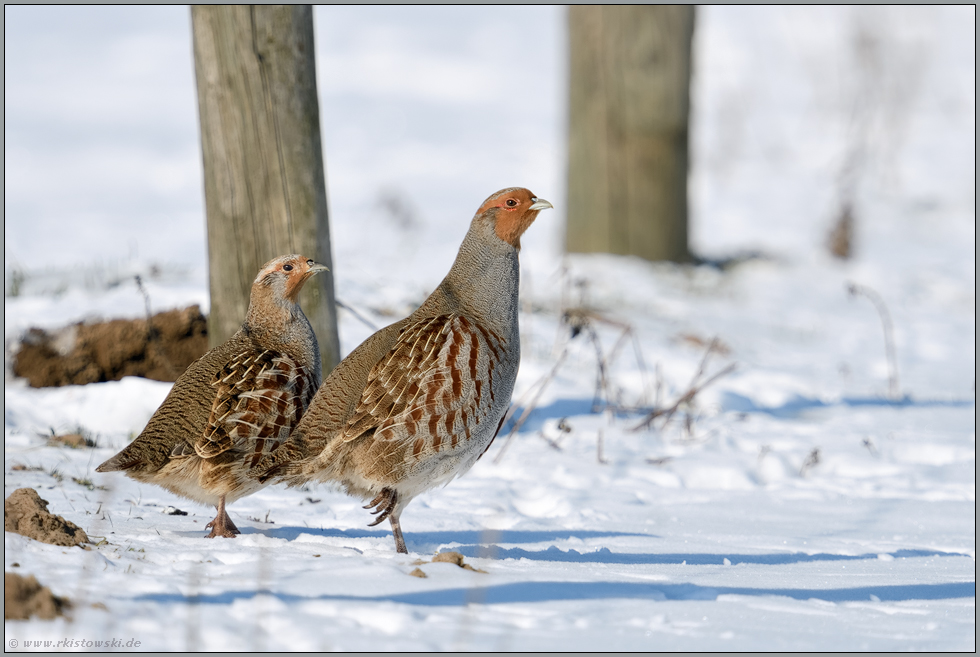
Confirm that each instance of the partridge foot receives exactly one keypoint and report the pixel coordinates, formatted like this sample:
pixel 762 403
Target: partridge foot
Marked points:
pixel 222 524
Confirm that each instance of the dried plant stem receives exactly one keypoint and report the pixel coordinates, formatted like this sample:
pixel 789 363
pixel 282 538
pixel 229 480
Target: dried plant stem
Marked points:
pixel 601 380
pixel 887 328
pixel 584 320
pixel 812 460
pixel 146 299
pixel 539 387
pixel 364 320
pixel 628 332
pixel 687 397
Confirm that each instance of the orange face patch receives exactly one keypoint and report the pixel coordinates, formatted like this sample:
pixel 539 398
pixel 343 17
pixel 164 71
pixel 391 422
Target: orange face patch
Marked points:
pixel 514 215
pixel 297 271
pixel 510 228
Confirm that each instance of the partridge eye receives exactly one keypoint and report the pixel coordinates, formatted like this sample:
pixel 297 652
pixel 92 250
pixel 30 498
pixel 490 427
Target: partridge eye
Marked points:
pixel 511 203
pixel 287 268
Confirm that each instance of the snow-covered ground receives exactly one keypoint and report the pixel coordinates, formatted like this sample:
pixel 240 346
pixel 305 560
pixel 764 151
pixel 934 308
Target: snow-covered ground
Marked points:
pixel 802 506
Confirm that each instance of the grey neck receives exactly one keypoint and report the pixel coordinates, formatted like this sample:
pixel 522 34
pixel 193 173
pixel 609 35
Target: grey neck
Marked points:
pixel 485 277
pixel 285 330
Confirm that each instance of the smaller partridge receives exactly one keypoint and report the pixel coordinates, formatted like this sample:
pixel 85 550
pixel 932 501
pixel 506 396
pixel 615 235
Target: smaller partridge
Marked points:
pixel 420 401
pixel 236 403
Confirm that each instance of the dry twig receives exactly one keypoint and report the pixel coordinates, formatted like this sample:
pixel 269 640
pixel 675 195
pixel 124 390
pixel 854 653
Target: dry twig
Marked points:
pixel 685 399
pixel 812 460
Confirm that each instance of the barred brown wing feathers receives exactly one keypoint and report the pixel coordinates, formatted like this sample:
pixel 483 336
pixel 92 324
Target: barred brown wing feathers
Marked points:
pixel 259 398
pixel 432 390
pixel 394 380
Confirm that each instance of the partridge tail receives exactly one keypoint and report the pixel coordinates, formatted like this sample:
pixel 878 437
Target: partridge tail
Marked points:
pixel 124 460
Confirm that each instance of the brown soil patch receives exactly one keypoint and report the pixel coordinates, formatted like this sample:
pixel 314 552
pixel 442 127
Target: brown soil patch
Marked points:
pixel 456 558
pixel 25 513
pixel 24 597
pixel 107 351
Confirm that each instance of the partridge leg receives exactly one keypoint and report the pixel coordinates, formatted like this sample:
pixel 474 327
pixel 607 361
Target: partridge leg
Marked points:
pixel 222 524
pixel 231 525
pixel 396 529
pixel 384 507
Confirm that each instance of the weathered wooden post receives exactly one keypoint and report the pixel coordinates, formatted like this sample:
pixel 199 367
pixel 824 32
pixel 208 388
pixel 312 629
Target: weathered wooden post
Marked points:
pixel 629 85
pixel 263 165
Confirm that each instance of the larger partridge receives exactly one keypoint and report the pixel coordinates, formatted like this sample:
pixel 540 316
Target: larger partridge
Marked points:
pixel 420 401
pixel 236 403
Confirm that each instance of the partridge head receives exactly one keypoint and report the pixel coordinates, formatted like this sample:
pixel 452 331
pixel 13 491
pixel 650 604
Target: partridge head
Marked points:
pixel 236 403
pixel 420 401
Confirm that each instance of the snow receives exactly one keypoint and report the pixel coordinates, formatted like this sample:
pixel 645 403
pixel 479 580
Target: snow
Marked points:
pixel 803 509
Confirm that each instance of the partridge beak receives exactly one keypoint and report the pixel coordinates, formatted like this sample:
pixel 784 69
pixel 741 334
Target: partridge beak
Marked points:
pixel 316 268
pixel 540 204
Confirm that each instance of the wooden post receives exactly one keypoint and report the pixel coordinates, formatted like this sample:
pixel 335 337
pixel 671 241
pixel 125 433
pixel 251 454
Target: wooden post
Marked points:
pixel 264 183
pixel 629 85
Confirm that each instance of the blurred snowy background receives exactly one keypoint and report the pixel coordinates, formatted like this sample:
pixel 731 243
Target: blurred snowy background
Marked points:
pixel 849 517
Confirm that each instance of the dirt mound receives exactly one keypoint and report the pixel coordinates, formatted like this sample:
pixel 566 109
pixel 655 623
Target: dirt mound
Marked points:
pixel 24 597
pixel 455 558
pixel 25 513
pixel 107 351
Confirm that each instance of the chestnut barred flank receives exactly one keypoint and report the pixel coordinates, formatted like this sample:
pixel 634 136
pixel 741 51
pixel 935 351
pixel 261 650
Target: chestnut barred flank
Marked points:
pixel 260 398
pixel 428 393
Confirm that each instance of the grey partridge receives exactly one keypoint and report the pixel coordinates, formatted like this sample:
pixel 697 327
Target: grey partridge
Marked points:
pixel 420 401
pixel 236 403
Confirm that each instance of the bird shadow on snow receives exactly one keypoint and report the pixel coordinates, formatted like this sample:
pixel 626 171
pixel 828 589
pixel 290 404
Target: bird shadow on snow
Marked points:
pixel 523 592
pixel 605 555
pixel 438 538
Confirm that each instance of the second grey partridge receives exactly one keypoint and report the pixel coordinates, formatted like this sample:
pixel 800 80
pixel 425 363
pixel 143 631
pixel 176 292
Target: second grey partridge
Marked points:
pixel 236 403
pixel 420 401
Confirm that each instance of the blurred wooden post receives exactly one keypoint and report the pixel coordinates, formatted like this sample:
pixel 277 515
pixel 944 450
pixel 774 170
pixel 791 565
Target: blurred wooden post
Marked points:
pixel 264 183
pixel 629 85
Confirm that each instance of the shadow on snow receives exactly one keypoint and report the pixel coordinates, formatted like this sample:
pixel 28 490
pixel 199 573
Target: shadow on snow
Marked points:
pixel 605 555
pixel 443 537
pixel 524 592
pixel 733 402
pixel 482 544
pixel 741 404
